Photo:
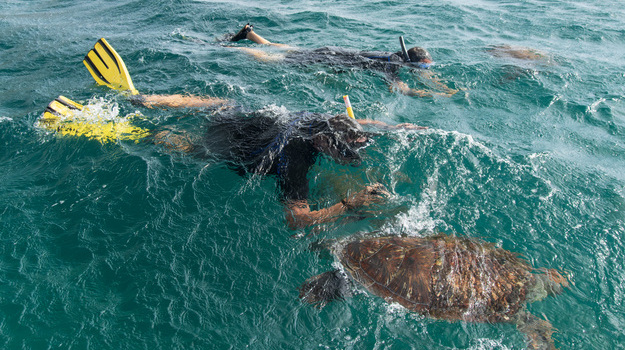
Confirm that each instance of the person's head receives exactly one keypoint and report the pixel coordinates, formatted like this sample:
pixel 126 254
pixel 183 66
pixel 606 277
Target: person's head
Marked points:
pixel 340 137
pixel 419 57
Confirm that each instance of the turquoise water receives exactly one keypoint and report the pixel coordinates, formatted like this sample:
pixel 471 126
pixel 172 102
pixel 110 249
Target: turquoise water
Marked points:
pixel 128 246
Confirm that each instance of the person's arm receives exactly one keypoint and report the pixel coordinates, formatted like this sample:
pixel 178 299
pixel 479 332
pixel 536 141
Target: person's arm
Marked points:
pixel 383 125
pixel 404 89
pixel 298 213
pixel 434 82
pixel 395 83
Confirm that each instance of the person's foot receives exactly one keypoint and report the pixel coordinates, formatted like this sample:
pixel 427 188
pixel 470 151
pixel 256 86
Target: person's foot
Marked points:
pixel 242 34
pixel 173 141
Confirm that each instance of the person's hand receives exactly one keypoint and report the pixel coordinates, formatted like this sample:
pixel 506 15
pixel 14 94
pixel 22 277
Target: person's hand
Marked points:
pixel 417 93
pixel 410 126
pixel 375 193
pixel 445 94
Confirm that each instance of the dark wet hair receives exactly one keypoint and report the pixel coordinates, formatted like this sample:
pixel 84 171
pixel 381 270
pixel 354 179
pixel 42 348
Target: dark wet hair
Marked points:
pixel 347 126
pixel 339 133
pixel 256 142
pixel 417 54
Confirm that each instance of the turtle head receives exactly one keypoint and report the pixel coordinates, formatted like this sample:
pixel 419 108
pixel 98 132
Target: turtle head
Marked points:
pixel 548 283
pixel 552 281
pixel 555 282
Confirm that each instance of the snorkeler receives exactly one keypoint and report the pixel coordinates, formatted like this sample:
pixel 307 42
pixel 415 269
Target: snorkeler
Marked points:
pixel 253 142
pixel 387 62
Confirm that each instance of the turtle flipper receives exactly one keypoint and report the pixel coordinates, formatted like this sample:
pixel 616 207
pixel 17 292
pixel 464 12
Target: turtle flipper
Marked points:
pixel 321 289
pixel 538 332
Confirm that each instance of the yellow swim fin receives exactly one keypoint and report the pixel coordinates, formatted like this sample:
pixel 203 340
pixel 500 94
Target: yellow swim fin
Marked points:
pixel 60 107
pixel 108 68
pixel 68 118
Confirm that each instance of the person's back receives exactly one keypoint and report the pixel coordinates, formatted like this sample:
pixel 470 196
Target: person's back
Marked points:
pixel 262 143
pixel 237 136
pixel 339 56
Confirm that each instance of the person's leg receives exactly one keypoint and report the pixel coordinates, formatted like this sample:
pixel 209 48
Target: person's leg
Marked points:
pixel 178 101
pixel 261 55
pixel 248 33
pixel 260 40
pixel 108 68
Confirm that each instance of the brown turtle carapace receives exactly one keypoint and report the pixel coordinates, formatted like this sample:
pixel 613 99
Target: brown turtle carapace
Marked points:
pixel 444 277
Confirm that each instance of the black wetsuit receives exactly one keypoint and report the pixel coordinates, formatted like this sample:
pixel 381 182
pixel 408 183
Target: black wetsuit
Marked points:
pixel 257 143
pixel 387 62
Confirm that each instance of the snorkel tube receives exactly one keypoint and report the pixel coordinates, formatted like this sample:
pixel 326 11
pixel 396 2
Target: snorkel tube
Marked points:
pixel 404 52
pixel 348 107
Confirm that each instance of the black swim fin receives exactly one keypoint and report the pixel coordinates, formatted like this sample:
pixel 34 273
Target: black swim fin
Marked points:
pixel 242 34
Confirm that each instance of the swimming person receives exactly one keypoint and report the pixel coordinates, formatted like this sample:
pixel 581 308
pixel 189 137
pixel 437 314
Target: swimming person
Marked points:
pixel 261 143
pixel 256 142
pixel 387 62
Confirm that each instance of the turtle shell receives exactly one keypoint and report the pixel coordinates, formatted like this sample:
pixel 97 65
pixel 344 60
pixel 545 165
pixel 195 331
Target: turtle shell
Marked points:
pixel 442 276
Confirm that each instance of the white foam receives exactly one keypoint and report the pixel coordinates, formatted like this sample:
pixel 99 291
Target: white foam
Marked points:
pixel 484 344
pixel 396 309
pixel 417 219
pixel 273 110
pixel 98 110
pixel 5 119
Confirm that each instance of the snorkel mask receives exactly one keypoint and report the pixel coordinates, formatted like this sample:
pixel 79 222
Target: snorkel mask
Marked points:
pixel 406 57
pixel 422 65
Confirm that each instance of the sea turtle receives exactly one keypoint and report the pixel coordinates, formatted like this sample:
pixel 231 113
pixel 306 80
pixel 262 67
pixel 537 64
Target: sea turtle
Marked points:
pixel 444 277
pixel 521 53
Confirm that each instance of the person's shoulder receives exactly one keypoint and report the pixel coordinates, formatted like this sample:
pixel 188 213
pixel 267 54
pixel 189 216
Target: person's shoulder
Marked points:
pixel 383 56
pixel 375 53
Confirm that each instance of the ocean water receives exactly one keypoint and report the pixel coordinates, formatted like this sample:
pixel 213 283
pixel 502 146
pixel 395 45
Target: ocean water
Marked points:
pixel 126 245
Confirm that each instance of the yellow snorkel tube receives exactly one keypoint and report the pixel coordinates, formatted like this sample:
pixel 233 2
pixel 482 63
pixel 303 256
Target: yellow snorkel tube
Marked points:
pixel 348 106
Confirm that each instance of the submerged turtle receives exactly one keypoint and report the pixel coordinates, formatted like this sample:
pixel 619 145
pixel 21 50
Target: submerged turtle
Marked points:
pixel 521 53
pixel 444 277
